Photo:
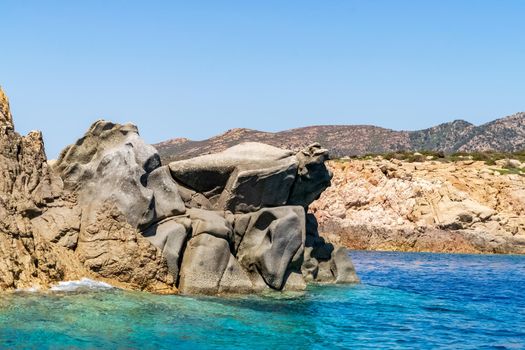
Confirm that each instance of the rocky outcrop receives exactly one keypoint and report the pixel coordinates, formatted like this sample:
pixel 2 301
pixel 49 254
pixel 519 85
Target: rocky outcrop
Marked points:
pixel 27 258
pixel 247 206
pixel 232 222
pixel 243 178
pixel 462 207
pixel 60 226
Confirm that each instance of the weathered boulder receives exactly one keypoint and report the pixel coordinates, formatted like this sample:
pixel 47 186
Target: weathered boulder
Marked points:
pixel 271 241
pixel 111 163
pixel 205 259
pixel 235 280
pixel 166 198
pixel 214 223
pixel 170 236
pixel 243 178
pixel 77 161
pixel 342 267
pixel 119 188
pixel 323 262
pixel 194 199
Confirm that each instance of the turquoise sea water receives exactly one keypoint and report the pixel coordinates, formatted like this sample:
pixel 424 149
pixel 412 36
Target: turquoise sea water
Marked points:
pixel 406 300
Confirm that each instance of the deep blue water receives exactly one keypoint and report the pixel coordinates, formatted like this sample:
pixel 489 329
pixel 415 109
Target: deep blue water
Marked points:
pixel 406 300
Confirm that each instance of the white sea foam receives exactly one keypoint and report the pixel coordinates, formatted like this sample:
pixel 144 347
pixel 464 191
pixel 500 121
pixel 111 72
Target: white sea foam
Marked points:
pixel 28 290
pixel 83 283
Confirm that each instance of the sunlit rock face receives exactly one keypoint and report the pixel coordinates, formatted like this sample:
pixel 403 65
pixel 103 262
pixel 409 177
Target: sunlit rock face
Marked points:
pixel 27 190
pixel 464 206
pixel 231 222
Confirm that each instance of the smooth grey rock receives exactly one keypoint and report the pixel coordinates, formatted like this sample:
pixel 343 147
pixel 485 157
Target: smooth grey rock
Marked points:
pixel 310 267
pixel 342 266
pixel 325 273
pixel 235 280
pixel 321 250
pixel 205 260
pixel 211 222
pixel 194 199
pixel 167 199
pixel 169 236
pixel 223 222
pixel 117 179
pixel 243 178
pixel 294 282
pixel 76 162
pixel 323 262
pixel 110 163
pixel 254 186
pixel 272 243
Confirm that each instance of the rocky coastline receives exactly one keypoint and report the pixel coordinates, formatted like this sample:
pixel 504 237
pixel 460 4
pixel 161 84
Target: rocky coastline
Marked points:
pixel 465 206
pixel 108 209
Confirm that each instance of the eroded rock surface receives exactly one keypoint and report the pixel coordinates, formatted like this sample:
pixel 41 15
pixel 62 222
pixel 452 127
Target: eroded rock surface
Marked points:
pixel 27 258
pixel 462 207
pixel 232 222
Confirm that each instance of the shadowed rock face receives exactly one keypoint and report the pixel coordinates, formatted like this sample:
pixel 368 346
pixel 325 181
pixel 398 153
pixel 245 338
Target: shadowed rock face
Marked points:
pixel 243 178
pixel 232 222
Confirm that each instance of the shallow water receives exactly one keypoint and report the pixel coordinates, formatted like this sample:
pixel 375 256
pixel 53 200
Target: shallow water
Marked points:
pixel 406 300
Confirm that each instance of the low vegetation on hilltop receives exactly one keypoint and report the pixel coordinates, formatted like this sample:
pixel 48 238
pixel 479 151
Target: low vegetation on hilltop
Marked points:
pixel 510 162
pixel 501 135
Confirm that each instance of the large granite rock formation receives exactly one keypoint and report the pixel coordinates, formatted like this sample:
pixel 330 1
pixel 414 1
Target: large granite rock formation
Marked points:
pixel 232 222
pixel 264 193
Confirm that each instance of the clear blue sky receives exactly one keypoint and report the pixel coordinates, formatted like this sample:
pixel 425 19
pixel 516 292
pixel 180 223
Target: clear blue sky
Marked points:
pixel 198 68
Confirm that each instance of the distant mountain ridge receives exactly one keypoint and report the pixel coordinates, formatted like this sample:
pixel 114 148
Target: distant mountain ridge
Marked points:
pixel 505 135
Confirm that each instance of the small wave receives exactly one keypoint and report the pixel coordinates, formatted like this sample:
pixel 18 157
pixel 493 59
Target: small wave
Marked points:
pixel 28 290
pixel 83 283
